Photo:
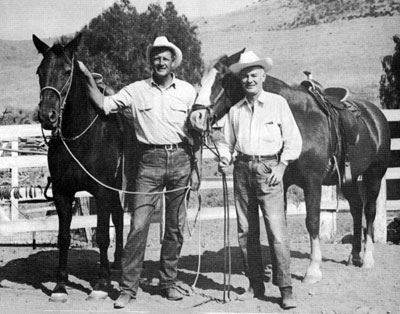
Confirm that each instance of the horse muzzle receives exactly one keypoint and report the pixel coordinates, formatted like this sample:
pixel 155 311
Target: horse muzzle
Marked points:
pixel 200 120
pixel 48 119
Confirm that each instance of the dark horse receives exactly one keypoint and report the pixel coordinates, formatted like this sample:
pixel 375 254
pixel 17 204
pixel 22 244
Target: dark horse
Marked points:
pixel 85 147
pixel 369 156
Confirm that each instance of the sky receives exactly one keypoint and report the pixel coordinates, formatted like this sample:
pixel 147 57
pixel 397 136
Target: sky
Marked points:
pixel 19 19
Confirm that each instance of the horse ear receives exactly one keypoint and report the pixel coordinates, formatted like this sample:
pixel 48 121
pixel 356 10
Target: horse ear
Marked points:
pixel 74 43
pixel 40 45
pixel 235 57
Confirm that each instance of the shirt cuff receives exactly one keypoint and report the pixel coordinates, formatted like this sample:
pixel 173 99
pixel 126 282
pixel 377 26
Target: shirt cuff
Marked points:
pixel 106 106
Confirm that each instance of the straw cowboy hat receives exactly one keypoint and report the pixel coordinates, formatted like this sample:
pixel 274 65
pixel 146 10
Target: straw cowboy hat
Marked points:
pixel 250 59
pixel 162 41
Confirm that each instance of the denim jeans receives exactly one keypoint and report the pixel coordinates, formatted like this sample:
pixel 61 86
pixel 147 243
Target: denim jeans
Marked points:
pixel 252 192
pixel 158 168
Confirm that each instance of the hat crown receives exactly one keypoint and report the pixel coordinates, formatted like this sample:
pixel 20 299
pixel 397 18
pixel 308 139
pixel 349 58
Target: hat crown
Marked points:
pixel 248 57
pixel 160 41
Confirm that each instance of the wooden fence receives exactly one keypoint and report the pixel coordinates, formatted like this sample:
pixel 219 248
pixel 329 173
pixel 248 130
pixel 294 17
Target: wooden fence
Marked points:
pixel 10 137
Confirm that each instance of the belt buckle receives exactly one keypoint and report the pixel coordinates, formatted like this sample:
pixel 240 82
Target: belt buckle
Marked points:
pixel 170 147
pixel 257 158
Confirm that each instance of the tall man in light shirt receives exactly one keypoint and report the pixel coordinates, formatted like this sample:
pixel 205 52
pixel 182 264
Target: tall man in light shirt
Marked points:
pixel 262 131
pixel 159 107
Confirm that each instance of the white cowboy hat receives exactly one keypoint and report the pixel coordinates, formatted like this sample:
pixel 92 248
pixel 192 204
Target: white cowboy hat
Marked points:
pixel 250 59
pixel 162 41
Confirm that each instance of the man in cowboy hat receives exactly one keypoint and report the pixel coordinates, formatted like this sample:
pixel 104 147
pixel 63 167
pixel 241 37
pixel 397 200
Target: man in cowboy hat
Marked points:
pixel 159 107
pixel 262 131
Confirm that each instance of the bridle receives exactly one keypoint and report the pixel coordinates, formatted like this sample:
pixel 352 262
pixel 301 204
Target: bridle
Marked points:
pixel 210 110
pixel 62 100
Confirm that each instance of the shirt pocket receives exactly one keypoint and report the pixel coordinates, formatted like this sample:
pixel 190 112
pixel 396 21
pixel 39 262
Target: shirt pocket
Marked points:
pixel 272 132
pixel 178 111
pixel 146 104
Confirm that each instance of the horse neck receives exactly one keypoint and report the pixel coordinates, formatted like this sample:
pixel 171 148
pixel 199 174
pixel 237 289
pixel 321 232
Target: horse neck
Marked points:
pixel 79 110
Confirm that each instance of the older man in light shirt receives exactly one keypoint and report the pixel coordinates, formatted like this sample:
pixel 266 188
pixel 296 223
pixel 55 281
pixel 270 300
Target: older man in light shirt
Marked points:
pixel 262 131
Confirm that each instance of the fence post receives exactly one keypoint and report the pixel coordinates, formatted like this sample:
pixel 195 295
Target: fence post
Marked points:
pixel 380 228
pixel 14 184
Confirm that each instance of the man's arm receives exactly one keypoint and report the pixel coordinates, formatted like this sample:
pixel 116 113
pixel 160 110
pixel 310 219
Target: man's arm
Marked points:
pixel 94 93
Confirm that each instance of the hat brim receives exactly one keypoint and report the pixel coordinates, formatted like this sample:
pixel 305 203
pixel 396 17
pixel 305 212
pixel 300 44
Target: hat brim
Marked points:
pixel 266 63
pixel 177 52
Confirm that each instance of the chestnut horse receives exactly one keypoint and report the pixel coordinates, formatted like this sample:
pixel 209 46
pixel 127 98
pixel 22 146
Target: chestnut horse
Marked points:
pixel 315 167
pixel 85 154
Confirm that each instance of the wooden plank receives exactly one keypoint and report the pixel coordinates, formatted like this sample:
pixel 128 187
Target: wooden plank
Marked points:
pixel 392 114
pixel 14 181
pixel 13 132
pixel 395 144
pixel 380 230
pixel 23 161
pixel 393 205
pixel 393 173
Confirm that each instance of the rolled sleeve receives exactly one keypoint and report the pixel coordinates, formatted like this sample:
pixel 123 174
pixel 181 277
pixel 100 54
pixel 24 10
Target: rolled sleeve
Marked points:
pixel 227 143
pixel 118 102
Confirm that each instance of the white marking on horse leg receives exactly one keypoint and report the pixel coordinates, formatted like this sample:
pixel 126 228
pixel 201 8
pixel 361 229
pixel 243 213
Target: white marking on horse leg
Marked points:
pixel 313 273
pixel 368 253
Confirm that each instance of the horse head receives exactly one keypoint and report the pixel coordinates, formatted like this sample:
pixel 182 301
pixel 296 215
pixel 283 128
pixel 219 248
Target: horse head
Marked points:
pixel 214 100
pixel 55 79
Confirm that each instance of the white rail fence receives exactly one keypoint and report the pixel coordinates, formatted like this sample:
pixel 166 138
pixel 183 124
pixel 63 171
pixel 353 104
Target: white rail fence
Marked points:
pixel 11 222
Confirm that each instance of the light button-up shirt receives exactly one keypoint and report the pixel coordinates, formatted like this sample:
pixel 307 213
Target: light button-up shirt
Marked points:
pixel 267 129
pixel 159 115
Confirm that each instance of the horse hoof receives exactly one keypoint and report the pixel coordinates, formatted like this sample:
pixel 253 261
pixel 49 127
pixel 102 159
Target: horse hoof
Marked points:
pixel 97 295
pixel 59 297
pixel 311 278
pixel 368 264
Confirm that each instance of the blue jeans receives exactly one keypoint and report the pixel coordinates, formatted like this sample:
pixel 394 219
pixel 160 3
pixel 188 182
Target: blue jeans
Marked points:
pixel 252 192
pixel 158 168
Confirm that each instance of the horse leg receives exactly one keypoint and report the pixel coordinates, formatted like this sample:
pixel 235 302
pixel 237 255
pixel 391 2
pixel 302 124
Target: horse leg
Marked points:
pixel 353 196
pixel 64 211
pixel 312 195
pixel 372 182
pixel 117 215
pixel 103 241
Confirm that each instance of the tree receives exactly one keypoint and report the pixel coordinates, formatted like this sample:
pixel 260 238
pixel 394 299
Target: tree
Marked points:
pixel 389 91
pixel 115 42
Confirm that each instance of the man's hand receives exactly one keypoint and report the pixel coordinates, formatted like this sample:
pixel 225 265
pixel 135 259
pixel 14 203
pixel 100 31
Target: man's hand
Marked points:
pixel 276 174
pixel 194 180
pixel 223 165
pixel 84 69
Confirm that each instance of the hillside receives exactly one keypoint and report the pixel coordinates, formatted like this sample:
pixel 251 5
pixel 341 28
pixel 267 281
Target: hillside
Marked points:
pixel 346 52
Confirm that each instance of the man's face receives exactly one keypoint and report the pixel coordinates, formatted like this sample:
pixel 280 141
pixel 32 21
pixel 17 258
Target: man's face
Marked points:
pixel 252 80
pixel 162 61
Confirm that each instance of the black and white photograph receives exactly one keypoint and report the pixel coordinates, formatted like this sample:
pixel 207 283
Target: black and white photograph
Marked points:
pixel 200 156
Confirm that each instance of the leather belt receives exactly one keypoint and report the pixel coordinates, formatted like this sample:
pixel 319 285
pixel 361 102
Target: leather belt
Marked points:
pixel 244 157
pixel 162 146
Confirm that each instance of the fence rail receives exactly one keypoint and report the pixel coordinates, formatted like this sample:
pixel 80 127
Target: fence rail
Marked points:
pixel 11 136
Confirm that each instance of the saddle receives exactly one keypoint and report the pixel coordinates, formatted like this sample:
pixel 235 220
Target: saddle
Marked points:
pixel 342 114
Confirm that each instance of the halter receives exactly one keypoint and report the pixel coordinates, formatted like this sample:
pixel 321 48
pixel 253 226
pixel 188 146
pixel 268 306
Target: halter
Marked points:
pixel 62 101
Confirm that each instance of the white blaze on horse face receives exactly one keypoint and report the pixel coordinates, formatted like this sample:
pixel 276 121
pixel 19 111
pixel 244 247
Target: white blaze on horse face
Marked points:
pixel 207 83
pixel 199 118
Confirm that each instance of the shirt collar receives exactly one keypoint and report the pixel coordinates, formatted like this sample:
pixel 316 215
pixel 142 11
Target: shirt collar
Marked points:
pixel 173 82
pixel 262 99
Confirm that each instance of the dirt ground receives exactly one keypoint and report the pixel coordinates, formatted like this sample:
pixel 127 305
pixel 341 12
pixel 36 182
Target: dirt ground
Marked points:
pixel 27 277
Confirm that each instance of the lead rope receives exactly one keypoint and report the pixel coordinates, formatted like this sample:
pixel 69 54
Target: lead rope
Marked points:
pixel 227 246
